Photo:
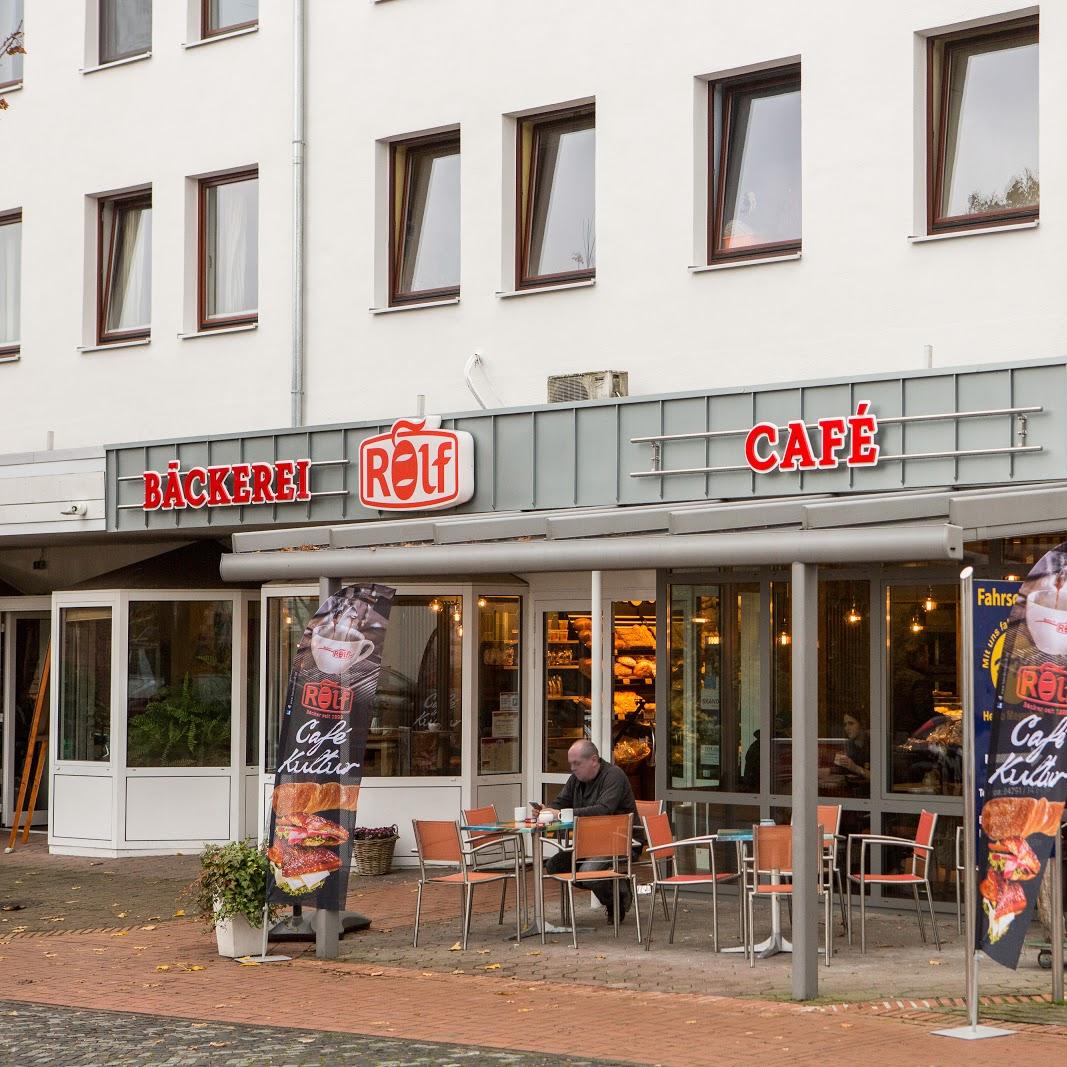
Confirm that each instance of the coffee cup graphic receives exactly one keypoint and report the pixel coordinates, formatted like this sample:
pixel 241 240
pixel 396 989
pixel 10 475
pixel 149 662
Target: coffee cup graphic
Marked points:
pixel 336 657
pixel 1046 619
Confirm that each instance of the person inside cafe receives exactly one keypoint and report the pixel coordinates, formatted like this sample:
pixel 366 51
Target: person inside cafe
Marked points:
pixel 594 788
pixel 855 761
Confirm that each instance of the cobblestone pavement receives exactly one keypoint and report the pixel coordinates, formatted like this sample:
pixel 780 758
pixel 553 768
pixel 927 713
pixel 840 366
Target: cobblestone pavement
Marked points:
pixel 32 1035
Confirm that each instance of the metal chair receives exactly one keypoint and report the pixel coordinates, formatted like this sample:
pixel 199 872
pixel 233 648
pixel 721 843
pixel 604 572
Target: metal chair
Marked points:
pixel 439 841
pixel 828 816
pixel 662 848
pixel 772 857
pixel 510 848
pixel 921 849
pixel 646 808
pixel 604 838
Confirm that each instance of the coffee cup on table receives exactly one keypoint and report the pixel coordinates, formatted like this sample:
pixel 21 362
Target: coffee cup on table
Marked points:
pixel 566 815
pixel 520 814
pixel 545 816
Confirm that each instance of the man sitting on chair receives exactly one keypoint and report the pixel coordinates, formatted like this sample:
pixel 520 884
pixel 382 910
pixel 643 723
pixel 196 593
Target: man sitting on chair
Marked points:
pixel 594 788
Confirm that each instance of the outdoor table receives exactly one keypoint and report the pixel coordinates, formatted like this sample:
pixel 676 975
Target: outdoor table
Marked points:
pixel 535 832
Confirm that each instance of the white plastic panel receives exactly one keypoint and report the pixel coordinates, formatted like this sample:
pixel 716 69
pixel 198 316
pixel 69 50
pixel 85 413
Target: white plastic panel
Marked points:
pixel 82 807
pixel 178 808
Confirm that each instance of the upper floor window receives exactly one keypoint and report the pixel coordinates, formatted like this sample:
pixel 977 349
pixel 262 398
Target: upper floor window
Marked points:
pixel 425 216
pixel 982 122
pixel 10 22
pixel 754 184
pixel 125 268
pixel 125 29
pixel 225 16
pixel 557 198
pixel 10 282
pixel 229 250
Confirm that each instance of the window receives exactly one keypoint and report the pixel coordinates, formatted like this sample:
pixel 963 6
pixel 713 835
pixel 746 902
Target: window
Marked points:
pixel 124 268
pixel 125 29
pixel 252 669
pixel 225 16
pixel 425 211
pixel 287 618
pixel 982 127
pixel 85 684
pixel 10 21
pixel 10 282
pixel 754 182
pixel 557 198
pixel 499 685
pixel 179 683
pixel 229 250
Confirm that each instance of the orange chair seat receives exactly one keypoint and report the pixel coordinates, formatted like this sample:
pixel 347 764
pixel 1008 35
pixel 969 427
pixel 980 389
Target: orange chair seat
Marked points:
pixel 588 876
pixel 774 887
pixel 695 879
pixel 907 879
pixel 472 876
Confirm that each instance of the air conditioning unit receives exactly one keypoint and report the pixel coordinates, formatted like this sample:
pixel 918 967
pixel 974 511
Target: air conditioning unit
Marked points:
pixel 588 385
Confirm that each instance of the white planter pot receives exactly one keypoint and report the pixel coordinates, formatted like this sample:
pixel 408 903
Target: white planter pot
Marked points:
pixel 237 937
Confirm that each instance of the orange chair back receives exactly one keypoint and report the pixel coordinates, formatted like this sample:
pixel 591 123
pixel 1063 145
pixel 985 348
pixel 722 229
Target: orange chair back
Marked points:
pixel 658 832
pixel 828 816
pixel 924 836
pixel 645 808
pixel 474 816
pixel 438 840
pixel 773 848
pixel 602 836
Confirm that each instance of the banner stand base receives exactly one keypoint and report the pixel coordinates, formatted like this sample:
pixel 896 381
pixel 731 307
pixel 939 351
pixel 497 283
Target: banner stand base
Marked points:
pixel 974 1033
pixel 299 928
pixel 252 961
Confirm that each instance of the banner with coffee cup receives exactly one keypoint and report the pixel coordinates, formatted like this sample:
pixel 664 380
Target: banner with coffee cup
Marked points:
pixel 1026 780
pixel 323 738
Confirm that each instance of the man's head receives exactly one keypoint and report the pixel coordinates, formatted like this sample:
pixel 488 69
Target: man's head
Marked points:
pixel 584 760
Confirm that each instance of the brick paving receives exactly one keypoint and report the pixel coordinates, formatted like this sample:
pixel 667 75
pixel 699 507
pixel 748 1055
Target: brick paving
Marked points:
pixel 678 1004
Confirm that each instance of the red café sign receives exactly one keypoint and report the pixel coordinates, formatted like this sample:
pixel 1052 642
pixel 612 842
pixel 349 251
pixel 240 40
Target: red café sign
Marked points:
pixel 841 439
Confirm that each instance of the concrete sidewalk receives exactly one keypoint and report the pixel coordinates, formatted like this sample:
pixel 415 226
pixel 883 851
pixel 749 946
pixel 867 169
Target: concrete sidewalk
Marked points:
pixel 611 1000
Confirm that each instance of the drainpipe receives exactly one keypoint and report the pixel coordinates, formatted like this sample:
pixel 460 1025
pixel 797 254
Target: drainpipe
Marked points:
pixel 299 50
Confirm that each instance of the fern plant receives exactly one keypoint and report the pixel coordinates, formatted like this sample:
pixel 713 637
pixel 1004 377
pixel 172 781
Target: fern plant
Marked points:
pixel 178 728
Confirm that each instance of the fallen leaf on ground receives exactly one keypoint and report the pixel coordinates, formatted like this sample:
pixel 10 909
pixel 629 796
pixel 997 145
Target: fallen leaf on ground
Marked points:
pixel 427 974
pixel 120 933
pixel 179 913
pixel 376 974
pixel 536 952
pixel 491 967
pixel 75 887
pixel 50 955
pixel 122 914
pixel 222 1005
pixel 484 951
pixel 219 1044
pixel 154 918
pixel 457 972
pixel 98 951
pixel 152 927
pixel 934 963
pixel 601 957
pixel 457 947
pixel 163 967
pixel 525 1009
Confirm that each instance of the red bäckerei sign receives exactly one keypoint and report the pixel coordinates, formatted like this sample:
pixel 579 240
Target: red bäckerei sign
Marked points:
pixel 227 485
pixel 833 441
pixel 416 466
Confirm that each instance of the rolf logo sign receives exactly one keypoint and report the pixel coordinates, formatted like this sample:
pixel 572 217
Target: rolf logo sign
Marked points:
pixel 848 440
pixel 416 466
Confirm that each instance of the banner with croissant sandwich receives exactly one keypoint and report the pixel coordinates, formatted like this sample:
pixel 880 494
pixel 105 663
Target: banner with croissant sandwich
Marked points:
pixel 321 746
pixel 1027 763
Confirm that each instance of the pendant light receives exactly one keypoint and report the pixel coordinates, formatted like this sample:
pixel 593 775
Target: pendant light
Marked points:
pixel 853 617
pixel 929 604
pixel 916 625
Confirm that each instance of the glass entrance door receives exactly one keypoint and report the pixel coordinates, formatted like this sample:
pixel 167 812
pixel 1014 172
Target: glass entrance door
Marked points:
pixel 566 692
pixel 25 643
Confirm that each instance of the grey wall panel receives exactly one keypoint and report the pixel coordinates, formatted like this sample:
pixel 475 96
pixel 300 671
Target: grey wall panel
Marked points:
pixel 984 392
pixel 1044 387
pixel 639 420
pixel 686 416
pixel 554 459
pixel 825 402
pixel 886 400
pixel 512 462
pixel 481 429
pixel 597 444
pixel 730 411
pixel 930 396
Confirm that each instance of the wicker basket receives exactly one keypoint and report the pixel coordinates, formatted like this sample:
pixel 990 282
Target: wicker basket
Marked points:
pixel 374 856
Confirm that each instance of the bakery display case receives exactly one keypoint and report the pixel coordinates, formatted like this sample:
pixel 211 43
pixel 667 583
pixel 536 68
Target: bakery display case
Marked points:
pixel 633 693
pixel 566 686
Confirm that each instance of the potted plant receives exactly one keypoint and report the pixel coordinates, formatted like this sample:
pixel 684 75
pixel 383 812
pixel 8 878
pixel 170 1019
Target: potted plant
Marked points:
pixel 372 849
pixel 230 894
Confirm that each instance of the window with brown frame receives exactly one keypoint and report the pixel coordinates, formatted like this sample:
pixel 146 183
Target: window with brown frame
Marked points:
pixel 229 250
pixel 982 127
pixel 10 282
pixel 10 22
pixel 754 179
pixel 424 212
pixel 556 217
pixel 226 16
pixel 125 29
pixel 124 268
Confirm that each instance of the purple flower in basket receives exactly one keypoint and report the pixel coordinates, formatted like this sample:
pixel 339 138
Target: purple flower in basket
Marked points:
pixel 374 833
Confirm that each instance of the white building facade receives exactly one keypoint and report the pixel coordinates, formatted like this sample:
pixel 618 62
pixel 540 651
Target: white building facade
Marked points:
pixel 223 223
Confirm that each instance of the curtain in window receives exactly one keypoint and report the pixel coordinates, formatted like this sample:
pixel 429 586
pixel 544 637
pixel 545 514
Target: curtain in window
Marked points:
pixel 125 28
pixel 10 282
pixel 128 267
pixel 233 248
pixel 10 20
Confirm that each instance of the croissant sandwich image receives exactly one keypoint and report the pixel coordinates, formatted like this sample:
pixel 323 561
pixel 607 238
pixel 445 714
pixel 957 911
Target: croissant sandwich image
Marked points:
pixel 1004 817
pixel 314 796
pixel 300 870
pixel 308 831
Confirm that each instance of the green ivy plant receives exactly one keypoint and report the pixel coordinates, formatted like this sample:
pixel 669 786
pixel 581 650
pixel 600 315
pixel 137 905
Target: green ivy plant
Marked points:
pixel 233 881
pixel 180 729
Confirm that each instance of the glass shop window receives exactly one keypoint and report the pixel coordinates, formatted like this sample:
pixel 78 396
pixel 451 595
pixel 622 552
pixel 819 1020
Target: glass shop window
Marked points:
pixel 252 669
pixel 499 685
pixel 568 674
pixel 85 684
pixel 179 683
pixel 633 693
pixel 925 720
pixel 287 618
pixel 416 726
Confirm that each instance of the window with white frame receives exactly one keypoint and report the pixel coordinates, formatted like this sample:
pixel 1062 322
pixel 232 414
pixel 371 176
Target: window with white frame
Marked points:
pixel 229 250
pixel 10 282
pixel 124 267
pixel 125 29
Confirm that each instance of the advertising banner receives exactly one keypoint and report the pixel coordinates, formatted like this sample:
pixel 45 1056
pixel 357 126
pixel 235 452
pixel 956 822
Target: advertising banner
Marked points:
pixel 1026 780
pixel 321 746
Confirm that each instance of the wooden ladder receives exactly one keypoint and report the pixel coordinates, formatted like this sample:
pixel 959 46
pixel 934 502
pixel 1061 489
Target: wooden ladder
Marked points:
pixel 36 756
